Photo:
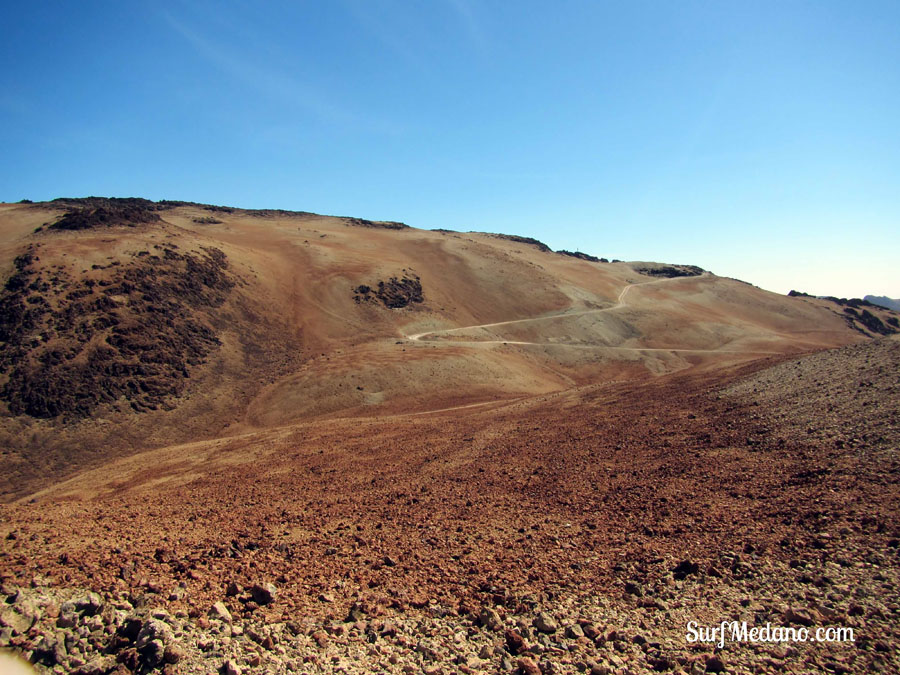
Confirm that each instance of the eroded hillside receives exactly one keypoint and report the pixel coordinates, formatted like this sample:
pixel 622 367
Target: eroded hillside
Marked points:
pixel 130 324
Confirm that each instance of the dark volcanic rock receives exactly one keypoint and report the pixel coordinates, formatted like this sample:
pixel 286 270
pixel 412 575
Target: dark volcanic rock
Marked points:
pixel 524 240
pixel 68 345
pixel 684 569
pixel 263 594
pixel 381 224
pixel 858 313
pixel 670 271
pixel 582 256
pixel 394 293
pixel 871 322
pixel 91 212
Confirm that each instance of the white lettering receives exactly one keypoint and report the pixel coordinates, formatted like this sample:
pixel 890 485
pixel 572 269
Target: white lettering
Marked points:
pixel 736 631
pixel 692 635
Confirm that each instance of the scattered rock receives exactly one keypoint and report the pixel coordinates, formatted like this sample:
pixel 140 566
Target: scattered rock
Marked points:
pixel 174 653
pixel 320 638
pixel 545 623
pixel 51 650
pixel 220 612
pixel 798 616
pixel 263 594
pixel 574 632
pixel 590 631
pixel 229 667
pixel 527 666
pixel 515 643
pixel 18 621
pixel 88 604
pixel 98 666
pixel 634 588
pixel 356 613
pixel 153 630
pixel 153 653
pixel 715 664
pixel 684 569
pixel 489 618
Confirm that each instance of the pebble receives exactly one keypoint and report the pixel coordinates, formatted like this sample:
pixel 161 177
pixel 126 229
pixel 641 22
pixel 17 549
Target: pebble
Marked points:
pixel 220 612
pixel 489 618
pixel 527 666
pixel 574 631
pixel 545 623
pixel 515 642
pixel 715 664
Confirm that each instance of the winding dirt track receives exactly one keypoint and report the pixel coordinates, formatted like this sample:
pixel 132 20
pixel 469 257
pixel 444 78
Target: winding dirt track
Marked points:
pixel 620 302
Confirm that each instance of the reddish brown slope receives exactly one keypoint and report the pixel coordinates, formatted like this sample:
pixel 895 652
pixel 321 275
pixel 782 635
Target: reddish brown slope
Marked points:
pixel 447 514
pixel 285 335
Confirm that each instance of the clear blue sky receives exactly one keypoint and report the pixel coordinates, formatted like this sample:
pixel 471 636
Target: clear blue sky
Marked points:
pixel 760 140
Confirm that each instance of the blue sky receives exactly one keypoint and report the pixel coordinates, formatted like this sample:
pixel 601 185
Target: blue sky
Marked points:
pixel 759 140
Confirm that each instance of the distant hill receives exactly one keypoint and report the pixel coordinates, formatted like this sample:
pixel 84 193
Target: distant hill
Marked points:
pixel 882 301
pixel 127 324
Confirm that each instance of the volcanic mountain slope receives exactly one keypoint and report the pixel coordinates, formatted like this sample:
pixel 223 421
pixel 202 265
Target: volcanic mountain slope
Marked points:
pixel 128 324
pixel 259 441
pixel 576 531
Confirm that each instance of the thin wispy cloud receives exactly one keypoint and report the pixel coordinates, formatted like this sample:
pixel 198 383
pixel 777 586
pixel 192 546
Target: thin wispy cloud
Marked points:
pixel 267 80
pixel 409 35
pixel 389 33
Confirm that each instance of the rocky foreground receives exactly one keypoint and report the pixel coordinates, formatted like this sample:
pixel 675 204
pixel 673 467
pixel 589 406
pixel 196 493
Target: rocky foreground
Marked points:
pixel 577 533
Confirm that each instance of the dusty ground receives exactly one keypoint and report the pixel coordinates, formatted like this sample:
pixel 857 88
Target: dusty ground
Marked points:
pixel 391 541
pixel 497 458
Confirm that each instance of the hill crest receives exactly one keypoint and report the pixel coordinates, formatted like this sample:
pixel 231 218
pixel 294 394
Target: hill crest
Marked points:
pixel 155 323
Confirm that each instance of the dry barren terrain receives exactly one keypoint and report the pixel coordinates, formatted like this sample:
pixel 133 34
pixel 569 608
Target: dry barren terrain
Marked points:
pixel 243 441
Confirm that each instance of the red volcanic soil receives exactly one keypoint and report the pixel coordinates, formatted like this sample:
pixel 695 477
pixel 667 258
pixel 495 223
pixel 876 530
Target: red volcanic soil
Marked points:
pixel 574 531
pixel 262 441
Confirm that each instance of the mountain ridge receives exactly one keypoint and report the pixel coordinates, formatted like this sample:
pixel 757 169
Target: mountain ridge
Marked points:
pixel 297 316
pixel 884 301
